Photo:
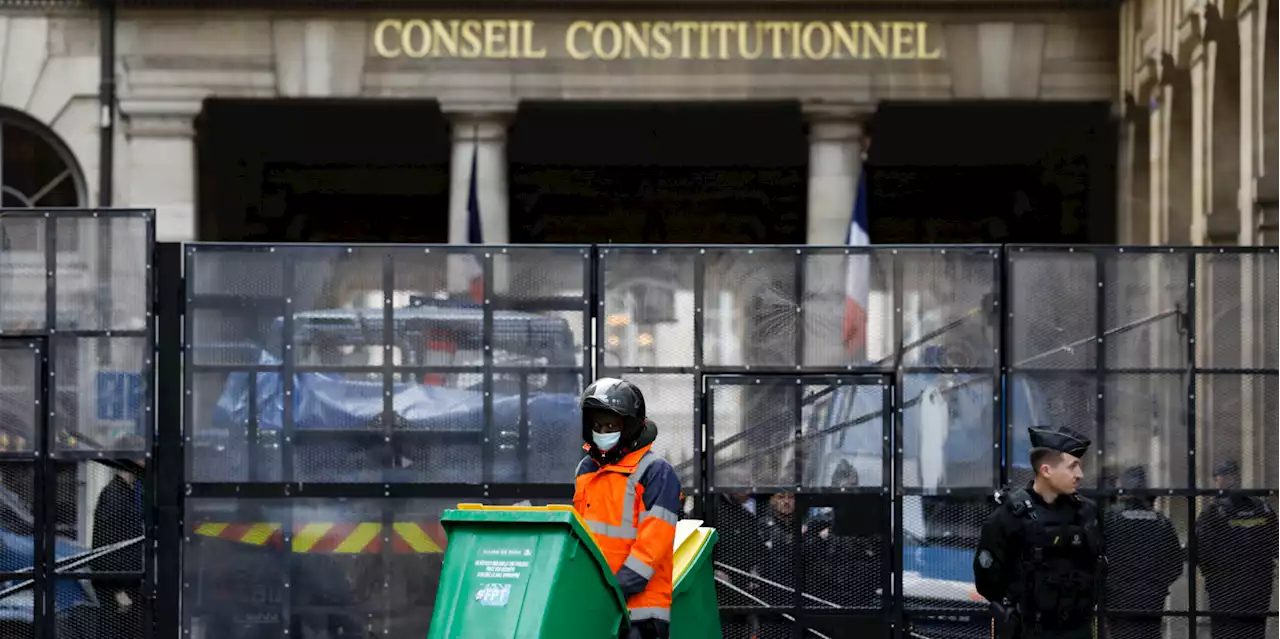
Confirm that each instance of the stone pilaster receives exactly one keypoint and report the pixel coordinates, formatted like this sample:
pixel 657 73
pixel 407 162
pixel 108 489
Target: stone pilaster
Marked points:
pixel 160 156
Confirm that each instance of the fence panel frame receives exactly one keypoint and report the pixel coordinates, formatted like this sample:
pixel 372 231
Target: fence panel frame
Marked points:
pixel 703 435
pixel 45 456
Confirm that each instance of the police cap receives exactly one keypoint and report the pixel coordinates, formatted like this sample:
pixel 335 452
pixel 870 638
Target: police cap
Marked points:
pixel 1226 467
pixel 1063 440
pixel 1134 478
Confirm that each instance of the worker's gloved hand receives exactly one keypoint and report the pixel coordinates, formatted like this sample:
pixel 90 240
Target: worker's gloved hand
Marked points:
pixel 629 582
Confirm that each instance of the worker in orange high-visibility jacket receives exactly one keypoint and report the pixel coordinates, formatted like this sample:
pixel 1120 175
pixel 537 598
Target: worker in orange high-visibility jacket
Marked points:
pixel 629 497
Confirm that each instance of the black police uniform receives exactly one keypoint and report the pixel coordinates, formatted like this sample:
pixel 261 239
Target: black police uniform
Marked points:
pixel 1237 537
pixel 1144 558
pixel 1040 563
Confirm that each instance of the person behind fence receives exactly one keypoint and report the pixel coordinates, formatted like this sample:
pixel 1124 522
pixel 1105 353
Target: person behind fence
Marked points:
pixel 739 548
pixel 1040 560
pixel 630 498
pixel 119 518
pixel 1237 537
pixel 1144 558
pixel 840 568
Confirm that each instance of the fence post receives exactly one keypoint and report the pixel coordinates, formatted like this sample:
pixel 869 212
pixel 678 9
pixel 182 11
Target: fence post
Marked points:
pixel 169 301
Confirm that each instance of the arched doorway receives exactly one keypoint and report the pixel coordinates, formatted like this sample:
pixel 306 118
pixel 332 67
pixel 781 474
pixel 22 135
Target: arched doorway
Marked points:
pixel 36 168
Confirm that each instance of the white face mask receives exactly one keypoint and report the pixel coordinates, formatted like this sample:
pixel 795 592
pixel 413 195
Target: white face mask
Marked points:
pixel 605 441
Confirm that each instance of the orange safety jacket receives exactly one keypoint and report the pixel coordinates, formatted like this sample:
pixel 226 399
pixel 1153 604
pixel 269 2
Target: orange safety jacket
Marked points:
pixel 631 508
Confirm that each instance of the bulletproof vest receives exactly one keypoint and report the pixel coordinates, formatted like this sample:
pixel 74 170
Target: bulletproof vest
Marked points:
pixel 1060 568
pixel 1129 532
pixel 1245 526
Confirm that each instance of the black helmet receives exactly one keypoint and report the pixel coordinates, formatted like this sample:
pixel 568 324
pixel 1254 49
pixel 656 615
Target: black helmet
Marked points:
pixel 619 397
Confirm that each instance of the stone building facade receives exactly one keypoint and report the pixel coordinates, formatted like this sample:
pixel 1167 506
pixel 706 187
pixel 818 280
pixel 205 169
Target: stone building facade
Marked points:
pixel 1198 94
pixel 1193 80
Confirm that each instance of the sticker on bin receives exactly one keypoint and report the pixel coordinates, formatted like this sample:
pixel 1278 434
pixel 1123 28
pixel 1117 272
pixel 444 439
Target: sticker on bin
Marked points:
pixel 500 569
pixel 496 595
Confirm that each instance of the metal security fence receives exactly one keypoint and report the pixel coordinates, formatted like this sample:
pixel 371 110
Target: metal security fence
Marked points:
pixel 76 386
pixel 336 399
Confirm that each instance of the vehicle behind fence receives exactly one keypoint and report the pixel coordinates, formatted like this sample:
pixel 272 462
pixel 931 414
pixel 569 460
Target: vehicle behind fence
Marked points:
pixel 334 400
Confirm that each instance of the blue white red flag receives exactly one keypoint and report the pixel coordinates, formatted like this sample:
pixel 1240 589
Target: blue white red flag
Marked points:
pixel 857 282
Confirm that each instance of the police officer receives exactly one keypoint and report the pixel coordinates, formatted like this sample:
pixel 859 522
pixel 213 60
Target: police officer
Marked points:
pixel 1144 558
pixel 1040 555
pixel 1237 537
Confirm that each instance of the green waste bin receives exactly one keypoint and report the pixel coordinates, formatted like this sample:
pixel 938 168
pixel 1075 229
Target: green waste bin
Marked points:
pixel 695 613
pixel 513 572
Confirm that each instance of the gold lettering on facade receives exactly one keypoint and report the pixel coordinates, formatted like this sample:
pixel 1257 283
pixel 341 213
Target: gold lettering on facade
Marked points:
pixel 657 40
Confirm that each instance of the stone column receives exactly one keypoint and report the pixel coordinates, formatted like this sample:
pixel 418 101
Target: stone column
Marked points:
pixel 836 147
pixel 1248 126
pixel 1159 166
pixel 1135 188
pixel 160 164
pixel 1251 291
pixel 1199 147
pixel 479 135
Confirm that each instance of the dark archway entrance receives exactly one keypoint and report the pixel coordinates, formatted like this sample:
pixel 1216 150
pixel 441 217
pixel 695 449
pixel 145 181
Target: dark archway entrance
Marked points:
pixel 723 173
pixel 323 171
pixel 992 172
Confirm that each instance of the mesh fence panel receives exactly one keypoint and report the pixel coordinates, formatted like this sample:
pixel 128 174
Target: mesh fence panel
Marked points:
pixel 648 302
pixel 1145 430
pixel 802 520
pixel 1099 340
pixel 320 567
pixel 940 538
pixel 402 402
pixel 76 364
pixel 114 524
pixel 19 389
pixel 1053 309
pixel 948 307
pixel 23 268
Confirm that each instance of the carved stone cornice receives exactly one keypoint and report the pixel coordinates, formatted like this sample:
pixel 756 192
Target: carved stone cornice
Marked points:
pixel 159 118
pixel 837 122
pixel 486 120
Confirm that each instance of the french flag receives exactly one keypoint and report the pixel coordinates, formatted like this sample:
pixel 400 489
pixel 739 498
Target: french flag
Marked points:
pixel 475 268
pixel 857 274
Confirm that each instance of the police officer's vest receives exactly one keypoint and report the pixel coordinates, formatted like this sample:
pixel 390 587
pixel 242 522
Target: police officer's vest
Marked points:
pixel 1243 533
pixel 1060 566
pixel 1247 512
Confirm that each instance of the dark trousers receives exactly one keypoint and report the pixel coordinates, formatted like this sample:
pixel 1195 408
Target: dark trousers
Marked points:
pixel 1234 594
pixel 1029 631
pixel 1134 594
pixel 1134 628
pixel 115 622
pixel 1228 628
pixel 648 629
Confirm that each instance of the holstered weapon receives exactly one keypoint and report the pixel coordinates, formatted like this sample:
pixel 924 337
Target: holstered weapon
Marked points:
pixel 1007 620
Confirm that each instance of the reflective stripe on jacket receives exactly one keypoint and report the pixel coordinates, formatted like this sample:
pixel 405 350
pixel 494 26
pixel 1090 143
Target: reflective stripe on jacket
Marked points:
pixel 631 507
